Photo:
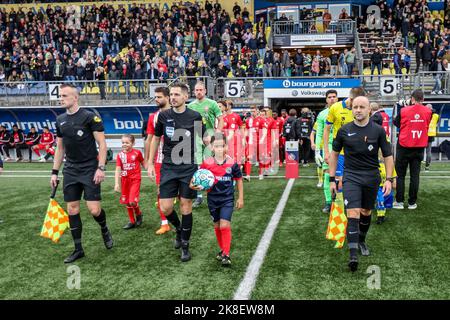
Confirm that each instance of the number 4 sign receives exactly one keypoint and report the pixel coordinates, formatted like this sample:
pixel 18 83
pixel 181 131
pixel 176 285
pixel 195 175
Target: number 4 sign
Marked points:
pixel 53 91
pixel 388 86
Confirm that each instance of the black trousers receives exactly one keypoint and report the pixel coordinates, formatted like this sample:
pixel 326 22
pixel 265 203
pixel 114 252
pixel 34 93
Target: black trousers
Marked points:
pixel 4 149
pixel 19 148
pixel 405 157
pixel 305 150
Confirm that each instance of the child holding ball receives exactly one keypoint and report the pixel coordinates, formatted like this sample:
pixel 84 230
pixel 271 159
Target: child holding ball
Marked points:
pixel 221 195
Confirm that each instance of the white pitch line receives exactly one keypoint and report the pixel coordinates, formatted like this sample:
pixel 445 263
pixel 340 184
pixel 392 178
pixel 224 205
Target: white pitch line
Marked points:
pixel 248 283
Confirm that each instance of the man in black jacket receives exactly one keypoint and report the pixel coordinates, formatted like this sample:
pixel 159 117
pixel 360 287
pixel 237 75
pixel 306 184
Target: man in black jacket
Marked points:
pixel 376 60
pixel 334 59
pixel 289 126
pixel 31 140
pixel 426 55
pixel 5 137
pixel 299 63
pixel 17 142
pixel 303 127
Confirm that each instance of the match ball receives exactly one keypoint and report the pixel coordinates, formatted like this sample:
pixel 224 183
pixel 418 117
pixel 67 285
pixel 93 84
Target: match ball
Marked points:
pixel 203 178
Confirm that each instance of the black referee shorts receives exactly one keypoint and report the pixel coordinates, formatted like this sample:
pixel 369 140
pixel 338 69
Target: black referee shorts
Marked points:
pixel 79 179
pixel 175 181
pixel 360 189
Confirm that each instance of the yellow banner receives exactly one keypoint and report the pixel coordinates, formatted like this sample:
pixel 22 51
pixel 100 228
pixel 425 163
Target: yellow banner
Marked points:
pixel 36 7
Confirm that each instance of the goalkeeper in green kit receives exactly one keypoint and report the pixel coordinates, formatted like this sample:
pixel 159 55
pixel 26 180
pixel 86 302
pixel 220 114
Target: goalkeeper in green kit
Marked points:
pixel 331 98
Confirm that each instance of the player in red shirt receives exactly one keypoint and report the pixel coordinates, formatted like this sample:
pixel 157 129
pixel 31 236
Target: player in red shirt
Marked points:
pixel 251 141
pixel 232 129
pixel 128 167
pixel 279 122
pixel 46 143
pixel 267 127
pixel 162 102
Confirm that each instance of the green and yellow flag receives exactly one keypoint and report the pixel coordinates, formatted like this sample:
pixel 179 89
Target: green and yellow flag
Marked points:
pixel 337 223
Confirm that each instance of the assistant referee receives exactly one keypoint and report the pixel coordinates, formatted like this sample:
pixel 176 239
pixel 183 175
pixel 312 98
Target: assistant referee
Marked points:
pixel 78 130
pixel 361 139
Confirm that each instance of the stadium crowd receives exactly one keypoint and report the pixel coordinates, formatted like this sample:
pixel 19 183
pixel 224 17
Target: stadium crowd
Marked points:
pixel 142 43
pixel 414 26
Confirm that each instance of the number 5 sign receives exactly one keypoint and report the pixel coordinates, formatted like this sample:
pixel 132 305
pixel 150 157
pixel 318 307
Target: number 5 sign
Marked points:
pixel 233 89
pixel 388 86
pixel 53 91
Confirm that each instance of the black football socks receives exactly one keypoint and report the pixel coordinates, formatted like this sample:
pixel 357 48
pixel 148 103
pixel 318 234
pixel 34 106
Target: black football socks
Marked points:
pixel 76 228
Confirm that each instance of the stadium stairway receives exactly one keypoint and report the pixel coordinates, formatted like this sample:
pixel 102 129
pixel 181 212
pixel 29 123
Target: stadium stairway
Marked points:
pixel 409 81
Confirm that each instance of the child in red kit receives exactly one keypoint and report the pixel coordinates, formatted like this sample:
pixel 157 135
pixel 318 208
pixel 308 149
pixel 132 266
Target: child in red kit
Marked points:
pixel 128 167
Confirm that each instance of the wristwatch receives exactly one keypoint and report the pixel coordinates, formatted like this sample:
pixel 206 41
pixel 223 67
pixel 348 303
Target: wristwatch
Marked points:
pixel 103 168
pixel 391 180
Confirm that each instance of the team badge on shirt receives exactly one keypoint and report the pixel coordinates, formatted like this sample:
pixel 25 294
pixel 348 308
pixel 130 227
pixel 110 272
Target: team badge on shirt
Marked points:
pixel 80 133
pixel 170 131
pixel 370 147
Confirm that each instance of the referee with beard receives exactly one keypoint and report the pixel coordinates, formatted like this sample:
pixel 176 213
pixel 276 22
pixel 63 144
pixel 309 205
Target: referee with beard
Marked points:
pixel 361 139
pixel 78 131
pixel 179 126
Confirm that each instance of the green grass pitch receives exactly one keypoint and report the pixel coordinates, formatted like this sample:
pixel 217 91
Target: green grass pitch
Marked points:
pixel 410 249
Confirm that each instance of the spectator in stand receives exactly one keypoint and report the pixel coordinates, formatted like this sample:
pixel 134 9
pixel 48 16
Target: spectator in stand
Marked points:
pixel 268 63
pixel 376 60
pixel 315 67
pixel 405 30
pixel 426 55
pixel 334 62
pixel 326 17
pixel 286 63
pixel 236 10
pixel 298 61
pixel 100 76
pixel 276 68
pixel 343 15
pixel 350 57
pixel 342 64
pixel 398 64
pixel 437 68
pixel 419 48
pixel 113 77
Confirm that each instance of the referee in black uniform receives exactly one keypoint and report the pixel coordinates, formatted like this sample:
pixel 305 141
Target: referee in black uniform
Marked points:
pixel 178 126
pixel 78 131
pixel 361 140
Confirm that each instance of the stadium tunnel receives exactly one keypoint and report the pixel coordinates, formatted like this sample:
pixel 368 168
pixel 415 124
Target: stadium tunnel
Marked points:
pixel 314 104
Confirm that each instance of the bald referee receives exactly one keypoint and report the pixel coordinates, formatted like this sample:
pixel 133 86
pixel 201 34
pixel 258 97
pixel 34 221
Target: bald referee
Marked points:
pixel 361 139
pixel 78 133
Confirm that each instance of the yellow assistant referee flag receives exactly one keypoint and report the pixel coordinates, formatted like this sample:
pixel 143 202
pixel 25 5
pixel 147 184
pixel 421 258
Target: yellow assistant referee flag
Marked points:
pixel 337 223
pixel 56 220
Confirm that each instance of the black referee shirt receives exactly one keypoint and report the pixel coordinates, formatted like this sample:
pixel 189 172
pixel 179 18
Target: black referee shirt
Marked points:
pixel 179 135
pixel 77 133
pixel 361 146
